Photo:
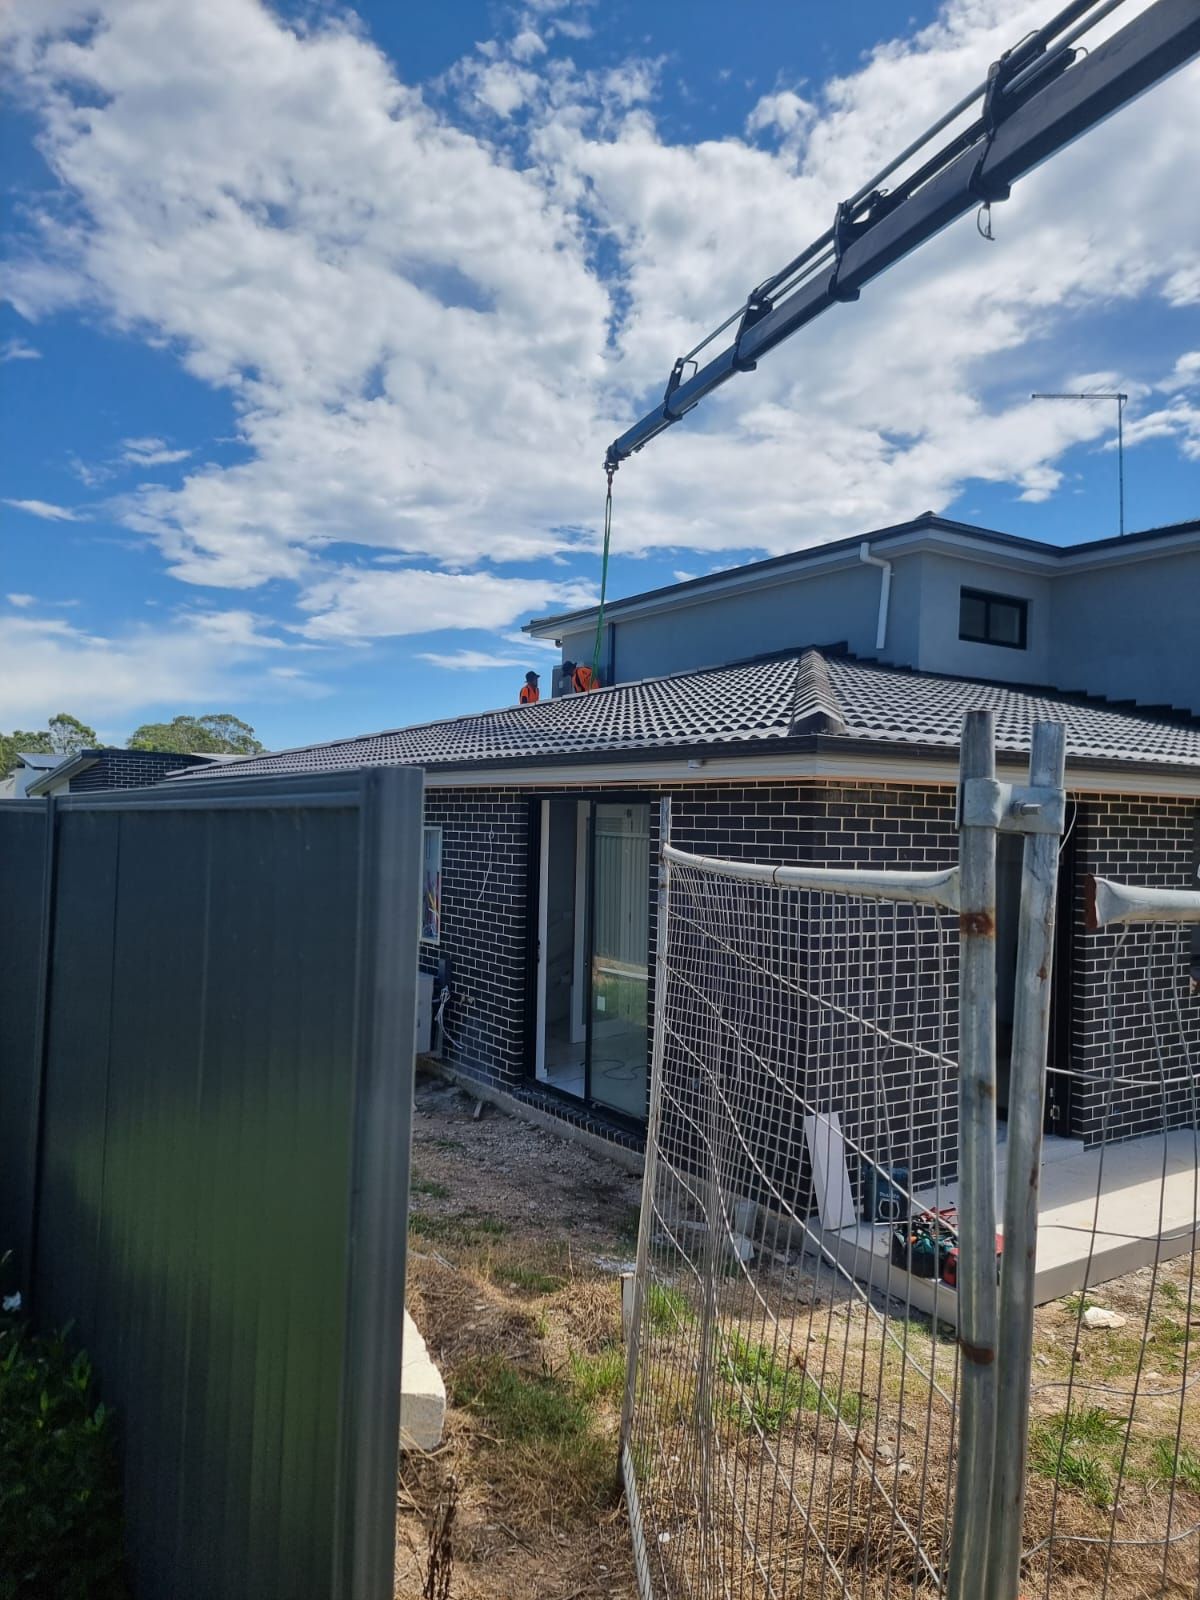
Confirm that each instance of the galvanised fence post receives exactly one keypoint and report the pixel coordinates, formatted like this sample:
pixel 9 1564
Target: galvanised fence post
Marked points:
pixel 1027 1086
pixel 976 1167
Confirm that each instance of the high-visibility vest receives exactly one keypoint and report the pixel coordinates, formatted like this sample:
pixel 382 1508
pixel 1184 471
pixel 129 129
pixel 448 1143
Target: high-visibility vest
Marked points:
pixel 529 695
pixel 582 680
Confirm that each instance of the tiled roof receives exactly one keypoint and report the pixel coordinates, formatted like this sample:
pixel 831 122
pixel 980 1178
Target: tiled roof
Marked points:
pixel 918 708
pixel 758 703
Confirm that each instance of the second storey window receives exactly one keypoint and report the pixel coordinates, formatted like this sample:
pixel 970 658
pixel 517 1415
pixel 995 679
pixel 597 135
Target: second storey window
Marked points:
pixel 986 618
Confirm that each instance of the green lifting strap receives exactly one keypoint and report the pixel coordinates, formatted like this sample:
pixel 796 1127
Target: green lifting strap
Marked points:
pixel 610 469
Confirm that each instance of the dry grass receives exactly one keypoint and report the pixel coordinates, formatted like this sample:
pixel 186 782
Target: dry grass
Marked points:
pixel 845 1452
pixel 525 1327
pixel 516 1239
pixel 531 1440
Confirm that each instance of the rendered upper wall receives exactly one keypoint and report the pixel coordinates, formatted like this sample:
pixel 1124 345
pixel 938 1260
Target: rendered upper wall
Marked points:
pixel 1127 628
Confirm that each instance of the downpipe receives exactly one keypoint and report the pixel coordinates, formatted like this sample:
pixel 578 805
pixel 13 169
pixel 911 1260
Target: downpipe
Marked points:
pixel 885 591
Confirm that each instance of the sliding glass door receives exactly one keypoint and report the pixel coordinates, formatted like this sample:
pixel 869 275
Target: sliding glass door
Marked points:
pixel 593 938
pixel 619 947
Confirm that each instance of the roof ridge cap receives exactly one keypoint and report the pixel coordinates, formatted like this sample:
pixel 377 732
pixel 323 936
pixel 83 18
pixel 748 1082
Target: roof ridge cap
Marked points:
pixel 815 704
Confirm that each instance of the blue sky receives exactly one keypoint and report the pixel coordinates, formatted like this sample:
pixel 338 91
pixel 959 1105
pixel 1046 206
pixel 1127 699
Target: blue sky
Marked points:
pixel 317 322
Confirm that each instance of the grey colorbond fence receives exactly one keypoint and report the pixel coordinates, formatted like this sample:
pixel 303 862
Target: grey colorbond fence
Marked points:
pixel 23 877
pixel 205 1112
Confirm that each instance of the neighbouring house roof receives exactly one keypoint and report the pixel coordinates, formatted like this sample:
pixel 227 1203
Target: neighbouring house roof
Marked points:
pixel 64 769
pixel 926 531
pixel 37 761
pixel 780 704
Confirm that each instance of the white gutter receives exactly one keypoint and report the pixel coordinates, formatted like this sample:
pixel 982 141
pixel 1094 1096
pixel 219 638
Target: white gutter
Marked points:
pixel 885 590
pixel 876 767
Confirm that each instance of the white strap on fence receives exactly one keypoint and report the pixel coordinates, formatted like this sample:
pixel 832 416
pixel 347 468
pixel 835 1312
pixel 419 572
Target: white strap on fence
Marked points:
pixel 1109 902
pixel 924 888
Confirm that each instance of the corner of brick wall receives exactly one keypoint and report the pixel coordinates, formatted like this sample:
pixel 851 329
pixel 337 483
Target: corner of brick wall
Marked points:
pixel 1132 1014
pixel 484 929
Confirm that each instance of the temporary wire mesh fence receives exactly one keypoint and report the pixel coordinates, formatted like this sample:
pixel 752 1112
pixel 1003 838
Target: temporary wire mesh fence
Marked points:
pixel 790 1423
pixel 789 1431
pixel 1113 1504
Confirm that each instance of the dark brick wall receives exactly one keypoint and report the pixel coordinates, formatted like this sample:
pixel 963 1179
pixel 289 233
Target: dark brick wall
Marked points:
pixel 130 769
pixel 1133 1016
pixel 893 967
pixel 487 908
pixel 484 929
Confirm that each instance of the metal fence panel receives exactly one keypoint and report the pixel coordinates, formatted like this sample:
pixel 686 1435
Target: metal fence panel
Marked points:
pixel 813 1037
pixel 801 1050
pixel 224 1160
pixel 22 873
pixel 1119 1417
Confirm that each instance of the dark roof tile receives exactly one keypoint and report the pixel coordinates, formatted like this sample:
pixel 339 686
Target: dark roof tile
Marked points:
pixel 753 702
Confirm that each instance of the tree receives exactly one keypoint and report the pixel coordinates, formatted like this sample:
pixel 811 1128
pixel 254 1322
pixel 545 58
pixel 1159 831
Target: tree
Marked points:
pixel 68 736
pixel 11 745
pixel 218 733
pixel 65 736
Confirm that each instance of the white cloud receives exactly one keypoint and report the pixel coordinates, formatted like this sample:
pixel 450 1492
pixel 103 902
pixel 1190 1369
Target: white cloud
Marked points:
pixel 90 473
pixel 195 661
pixel 1185 374
pixel 150 452
pixel 1179 421
pixel 18 350
pixel 467 660
pixel 47 511
pixel 527 44
pixel 524 642
pixel 357 603
pixel 20 600
pixel 784 111
pixel 405 307
pixel 504 88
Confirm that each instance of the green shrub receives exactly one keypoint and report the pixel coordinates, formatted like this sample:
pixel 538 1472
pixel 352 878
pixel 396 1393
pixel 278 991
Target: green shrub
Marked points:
pixel 60 1504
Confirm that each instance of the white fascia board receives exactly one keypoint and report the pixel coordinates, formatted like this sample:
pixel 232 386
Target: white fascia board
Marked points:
pixel 1127 555
pixel 867 768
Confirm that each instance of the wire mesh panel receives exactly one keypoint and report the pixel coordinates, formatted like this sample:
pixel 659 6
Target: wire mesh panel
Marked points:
pixel 791 1411
pixel 1113 1504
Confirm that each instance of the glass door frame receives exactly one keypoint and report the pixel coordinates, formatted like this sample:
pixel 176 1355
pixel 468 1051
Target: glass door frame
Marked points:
pixel 536 1024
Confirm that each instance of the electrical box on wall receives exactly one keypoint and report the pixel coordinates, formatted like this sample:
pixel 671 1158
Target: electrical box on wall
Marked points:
pixel 424 1030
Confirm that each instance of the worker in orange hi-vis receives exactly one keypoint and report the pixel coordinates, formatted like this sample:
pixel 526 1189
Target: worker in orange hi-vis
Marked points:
pixel 529 691
pixel 583 679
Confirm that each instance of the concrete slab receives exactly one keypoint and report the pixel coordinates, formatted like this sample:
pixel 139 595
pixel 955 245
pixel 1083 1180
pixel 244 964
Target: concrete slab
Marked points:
pixel 422 1393
pixel 1147 1206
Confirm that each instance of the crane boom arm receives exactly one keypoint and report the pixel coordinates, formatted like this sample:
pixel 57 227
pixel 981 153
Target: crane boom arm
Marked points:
pixel 1031 110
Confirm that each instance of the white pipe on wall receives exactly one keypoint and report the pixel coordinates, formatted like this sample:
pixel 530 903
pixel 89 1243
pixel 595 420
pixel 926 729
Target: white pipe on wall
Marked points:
pixel 885 590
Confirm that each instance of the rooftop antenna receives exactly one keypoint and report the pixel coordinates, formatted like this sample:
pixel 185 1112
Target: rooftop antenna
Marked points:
pixel 1105 394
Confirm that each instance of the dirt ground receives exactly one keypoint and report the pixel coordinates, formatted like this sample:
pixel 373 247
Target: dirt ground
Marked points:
pixel 517 1241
